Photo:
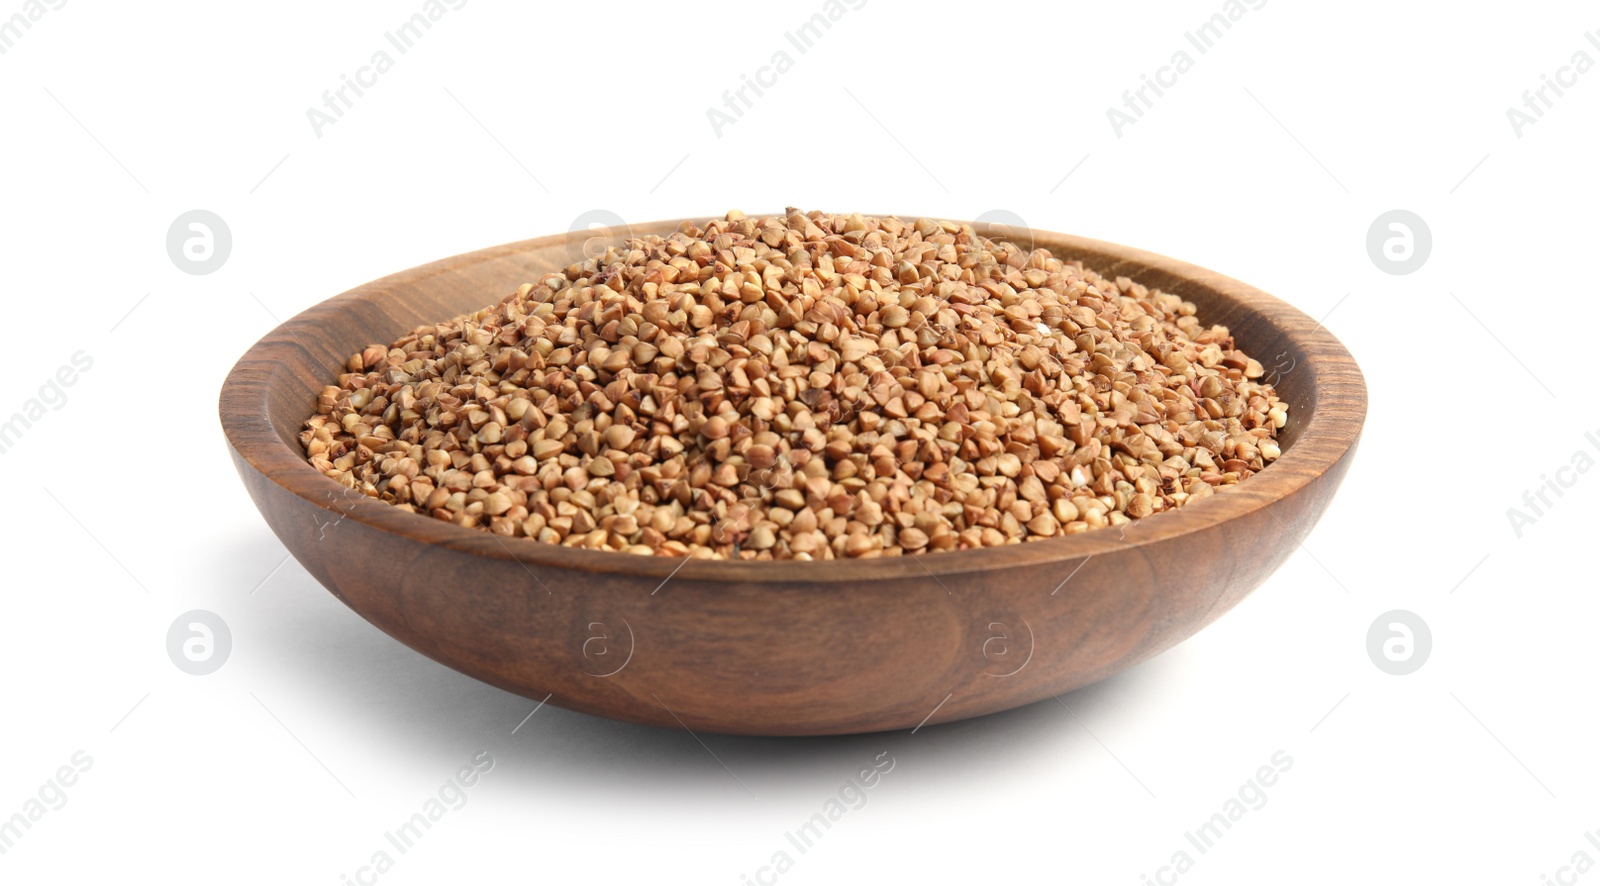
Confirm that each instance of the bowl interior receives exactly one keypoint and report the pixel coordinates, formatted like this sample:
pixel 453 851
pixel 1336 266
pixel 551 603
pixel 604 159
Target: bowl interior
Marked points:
pixel 1257 333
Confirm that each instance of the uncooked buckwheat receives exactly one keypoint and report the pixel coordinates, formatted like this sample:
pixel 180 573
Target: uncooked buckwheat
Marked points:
pixel 804 386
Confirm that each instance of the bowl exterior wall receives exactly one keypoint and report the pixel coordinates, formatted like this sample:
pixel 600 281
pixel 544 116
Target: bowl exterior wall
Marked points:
pixel 793 657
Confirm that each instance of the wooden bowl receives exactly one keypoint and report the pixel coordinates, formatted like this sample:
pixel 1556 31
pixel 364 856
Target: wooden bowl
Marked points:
pixel 783 647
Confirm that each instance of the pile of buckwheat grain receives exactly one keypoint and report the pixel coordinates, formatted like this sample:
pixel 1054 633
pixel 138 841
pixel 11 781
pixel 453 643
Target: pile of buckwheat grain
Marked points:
pixel 803 386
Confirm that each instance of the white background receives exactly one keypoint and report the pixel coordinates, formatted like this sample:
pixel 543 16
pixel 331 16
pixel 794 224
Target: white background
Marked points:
pixel 1267 161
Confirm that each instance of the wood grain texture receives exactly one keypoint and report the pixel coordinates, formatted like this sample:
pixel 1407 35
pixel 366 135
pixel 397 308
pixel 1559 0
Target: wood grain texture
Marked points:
pixel 784 648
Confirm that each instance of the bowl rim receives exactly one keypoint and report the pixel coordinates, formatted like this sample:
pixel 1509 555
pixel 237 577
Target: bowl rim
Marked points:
pixel 1332 431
